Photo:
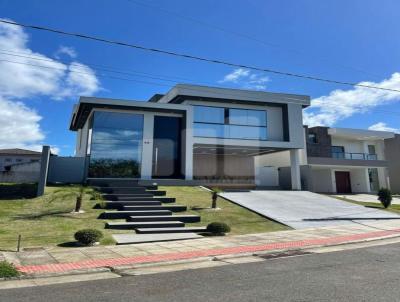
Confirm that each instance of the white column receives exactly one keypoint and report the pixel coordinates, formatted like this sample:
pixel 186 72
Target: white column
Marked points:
pixel 383 178
pixel 188 132
pixel 147 149
pixel 366 180
pixel 295 169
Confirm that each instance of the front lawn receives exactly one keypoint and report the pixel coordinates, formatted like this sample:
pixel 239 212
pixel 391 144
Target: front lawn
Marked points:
pixel 395 208
pixel 48 221
pixel 241 220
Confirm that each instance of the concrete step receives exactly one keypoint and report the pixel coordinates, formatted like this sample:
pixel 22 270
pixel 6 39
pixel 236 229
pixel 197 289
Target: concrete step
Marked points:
pixel 126 196
pixel 120 204
pixel 151 187
pixel 151 224
pixel 132 238
pixel 162 199
pixel 170 230
pixel 122 190
pixel 173 208
pixel 183 218
pixel 127 214
pixel 113 183
pixel 157 193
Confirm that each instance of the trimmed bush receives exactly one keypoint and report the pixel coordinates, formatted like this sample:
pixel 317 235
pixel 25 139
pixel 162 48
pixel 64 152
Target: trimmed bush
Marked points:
pixel 102 205
pixel 218 228
pixel 385 197
pixel 88 236
pixel 8 270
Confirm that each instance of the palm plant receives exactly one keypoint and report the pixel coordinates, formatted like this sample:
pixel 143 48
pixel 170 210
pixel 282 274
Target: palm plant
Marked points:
pixel 214 197
pixel 79 197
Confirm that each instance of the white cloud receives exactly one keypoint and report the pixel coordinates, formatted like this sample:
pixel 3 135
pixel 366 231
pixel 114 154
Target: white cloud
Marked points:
pixel 341 104
pixel 235 75
pixel 65 50
pixel 383 127
pixel 246 79
pixel 24 79
pixel 18 121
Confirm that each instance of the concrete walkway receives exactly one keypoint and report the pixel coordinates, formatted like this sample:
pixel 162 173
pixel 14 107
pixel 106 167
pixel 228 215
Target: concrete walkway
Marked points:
pixel 303 209
pixel 62 260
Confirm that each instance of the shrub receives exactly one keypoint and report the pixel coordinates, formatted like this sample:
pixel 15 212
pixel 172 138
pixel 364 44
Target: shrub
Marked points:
pixel 102 205
pixel 218 228
pixel 8 270
pixel 385 197
pixel 88 236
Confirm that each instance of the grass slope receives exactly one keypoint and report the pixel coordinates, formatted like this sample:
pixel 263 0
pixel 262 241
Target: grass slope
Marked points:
pixel 48 221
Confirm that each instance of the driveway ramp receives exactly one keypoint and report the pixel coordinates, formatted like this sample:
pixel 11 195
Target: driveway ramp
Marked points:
pixel 303 209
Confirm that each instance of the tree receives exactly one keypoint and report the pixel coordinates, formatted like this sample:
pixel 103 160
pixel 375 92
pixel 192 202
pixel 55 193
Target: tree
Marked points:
pixel 385 197
pixel 214 197
pixel 79 197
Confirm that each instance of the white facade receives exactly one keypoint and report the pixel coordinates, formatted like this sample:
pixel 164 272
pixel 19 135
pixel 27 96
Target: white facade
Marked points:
pixel 200 156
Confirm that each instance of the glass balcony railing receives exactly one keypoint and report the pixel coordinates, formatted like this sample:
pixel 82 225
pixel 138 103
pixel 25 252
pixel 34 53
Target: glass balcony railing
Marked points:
pixel 346 155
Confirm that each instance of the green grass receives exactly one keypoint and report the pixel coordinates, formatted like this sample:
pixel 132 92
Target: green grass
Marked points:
pixel 395 208
pixel 8 270
pixel 241 220
pixel 47 220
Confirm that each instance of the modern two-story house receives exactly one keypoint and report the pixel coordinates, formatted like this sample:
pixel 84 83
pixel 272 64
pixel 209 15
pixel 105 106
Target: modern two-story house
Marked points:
pixel 192 133
pixel 338 160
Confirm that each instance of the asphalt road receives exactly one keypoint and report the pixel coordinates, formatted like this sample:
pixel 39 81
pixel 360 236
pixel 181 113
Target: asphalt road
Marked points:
pixel 369 274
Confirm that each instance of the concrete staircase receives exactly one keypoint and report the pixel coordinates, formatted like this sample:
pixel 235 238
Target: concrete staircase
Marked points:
pixel 146 212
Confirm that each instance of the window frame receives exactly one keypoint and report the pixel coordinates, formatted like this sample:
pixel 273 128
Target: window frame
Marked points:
pixel 227 123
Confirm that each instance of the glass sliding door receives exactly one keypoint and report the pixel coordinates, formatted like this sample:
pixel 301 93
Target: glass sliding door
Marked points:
pixel 116 145
pixel 373 179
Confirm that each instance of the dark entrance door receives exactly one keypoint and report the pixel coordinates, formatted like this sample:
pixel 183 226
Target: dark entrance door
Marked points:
pixel 167 147
pixel 343 184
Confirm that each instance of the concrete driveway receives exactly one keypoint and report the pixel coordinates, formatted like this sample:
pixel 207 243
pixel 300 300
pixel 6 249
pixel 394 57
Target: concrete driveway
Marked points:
pixel 303 209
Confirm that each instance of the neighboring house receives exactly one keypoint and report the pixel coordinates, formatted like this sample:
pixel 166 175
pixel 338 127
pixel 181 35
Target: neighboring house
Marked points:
pixel 392 152
pixel 339 160
pixel 10 157
pixel 192 132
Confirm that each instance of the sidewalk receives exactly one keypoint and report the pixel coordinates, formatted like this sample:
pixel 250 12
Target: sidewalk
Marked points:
pixel 67 260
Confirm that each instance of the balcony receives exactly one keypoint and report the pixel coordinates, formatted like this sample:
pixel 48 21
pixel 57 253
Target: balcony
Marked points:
pixel 360 156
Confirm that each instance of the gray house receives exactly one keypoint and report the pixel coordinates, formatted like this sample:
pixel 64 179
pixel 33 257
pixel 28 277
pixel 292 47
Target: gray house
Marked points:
pixel 192 133
pixel 338 160
pixel 392 152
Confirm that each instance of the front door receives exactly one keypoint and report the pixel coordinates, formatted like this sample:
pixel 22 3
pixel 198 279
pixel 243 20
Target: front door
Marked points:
pixel 343 184
pixel 167 147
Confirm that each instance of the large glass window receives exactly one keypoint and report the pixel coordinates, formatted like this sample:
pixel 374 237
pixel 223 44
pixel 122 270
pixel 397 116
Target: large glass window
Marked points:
pixel 230 123
pixel 204 114
pixel 247 117
pixel 116 145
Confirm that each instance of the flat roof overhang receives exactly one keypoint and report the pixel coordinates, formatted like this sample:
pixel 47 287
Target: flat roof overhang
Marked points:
pixel 82 110
pixel 359 134
pixel 182 92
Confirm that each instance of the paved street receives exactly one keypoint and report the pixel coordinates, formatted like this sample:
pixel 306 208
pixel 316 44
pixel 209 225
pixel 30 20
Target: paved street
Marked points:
pixel 368 274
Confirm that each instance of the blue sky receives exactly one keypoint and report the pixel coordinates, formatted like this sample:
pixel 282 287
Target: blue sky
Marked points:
pixel 353 41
